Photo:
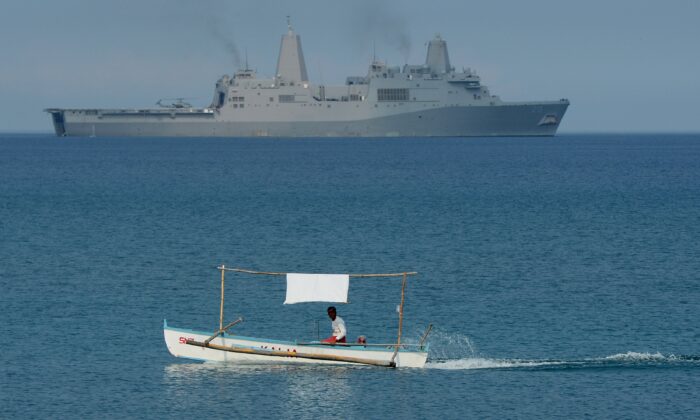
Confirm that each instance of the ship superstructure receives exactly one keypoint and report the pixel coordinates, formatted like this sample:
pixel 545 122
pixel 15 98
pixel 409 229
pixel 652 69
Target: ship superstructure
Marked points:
pixel 430 99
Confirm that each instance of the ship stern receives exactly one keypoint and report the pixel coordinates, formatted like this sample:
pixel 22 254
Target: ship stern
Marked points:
pixel 59 121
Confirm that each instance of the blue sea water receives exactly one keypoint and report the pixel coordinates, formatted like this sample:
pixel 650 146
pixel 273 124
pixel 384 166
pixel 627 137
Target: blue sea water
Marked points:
pixel 562 275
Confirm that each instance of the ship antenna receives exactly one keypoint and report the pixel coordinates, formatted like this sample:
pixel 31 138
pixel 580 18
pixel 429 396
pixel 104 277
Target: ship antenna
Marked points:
pixel 289 23
pixel 374 51
pixel 246 60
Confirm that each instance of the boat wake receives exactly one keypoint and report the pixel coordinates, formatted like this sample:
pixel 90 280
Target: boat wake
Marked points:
pixel 457 352
pixel 629 359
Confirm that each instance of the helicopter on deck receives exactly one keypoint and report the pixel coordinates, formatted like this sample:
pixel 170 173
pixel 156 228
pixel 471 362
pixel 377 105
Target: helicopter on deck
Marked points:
pixel 174 103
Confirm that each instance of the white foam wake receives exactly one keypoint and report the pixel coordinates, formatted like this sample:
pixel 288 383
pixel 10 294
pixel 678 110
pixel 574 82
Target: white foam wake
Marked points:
pixel 633 356
pixel 629 358
pixel 483 363
pixel 454 351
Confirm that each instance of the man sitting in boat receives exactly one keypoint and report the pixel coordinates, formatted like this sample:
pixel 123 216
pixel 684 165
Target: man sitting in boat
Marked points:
pixel 338 326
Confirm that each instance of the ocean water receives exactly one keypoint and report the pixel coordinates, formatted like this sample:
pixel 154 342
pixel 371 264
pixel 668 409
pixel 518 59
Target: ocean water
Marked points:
pixel 562 275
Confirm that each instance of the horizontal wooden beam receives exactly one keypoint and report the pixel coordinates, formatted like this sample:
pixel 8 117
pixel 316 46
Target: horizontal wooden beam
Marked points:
pixel 279 353
pixel 392 345
pixel 275 273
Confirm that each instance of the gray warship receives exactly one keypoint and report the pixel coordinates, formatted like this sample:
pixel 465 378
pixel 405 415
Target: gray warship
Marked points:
pixel 426 100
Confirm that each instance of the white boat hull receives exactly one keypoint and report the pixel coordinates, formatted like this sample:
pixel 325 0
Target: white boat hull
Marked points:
pixel 237 349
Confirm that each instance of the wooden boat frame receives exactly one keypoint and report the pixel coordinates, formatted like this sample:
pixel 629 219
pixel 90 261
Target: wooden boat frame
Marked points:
pixel 311 352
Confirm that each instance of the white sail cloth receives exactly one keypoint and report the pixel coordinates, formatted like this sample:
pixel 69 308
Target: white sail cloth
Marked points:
pixel 317 288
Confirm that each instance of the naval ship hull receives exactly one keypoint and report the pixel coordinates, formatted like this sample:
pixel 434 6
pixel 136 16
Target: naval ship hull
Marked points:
pixel 419 100
pixel 505 119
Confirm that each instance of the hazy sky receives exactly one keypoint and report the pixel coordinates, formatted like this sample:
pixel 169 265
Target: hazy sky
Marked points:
pixel 626 65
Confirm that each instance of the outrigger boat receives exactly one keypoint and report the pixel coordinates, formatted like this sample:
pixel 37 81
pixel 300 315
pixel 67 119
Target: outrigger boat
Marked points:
pixel 223 346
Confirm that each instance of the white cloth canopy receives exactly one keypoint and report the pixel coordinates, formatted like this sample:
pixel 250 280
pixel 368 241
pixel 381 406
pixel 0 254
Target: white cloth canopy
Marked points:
pixel 317 288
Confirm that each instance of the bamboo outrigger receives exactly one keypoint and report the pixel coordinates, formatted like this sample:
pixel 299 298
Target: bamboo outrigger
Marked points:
pixel 226 347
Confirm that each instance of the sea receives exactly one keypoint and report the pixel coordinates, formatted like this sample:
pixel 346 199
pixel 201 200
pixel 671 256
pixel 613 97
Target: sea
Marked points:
pixel 561 275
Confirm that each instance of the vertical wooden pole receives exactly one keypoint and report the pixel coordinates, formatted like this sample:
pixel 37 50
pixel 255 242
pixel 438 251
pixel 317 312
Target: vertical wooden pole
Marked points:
pixel 221 311
pixel 403 296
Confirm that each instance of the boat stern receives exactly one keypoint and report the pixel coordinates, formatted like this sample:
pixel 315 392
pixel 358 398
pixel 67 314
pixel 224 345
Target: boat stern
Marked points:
pixel 411 359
